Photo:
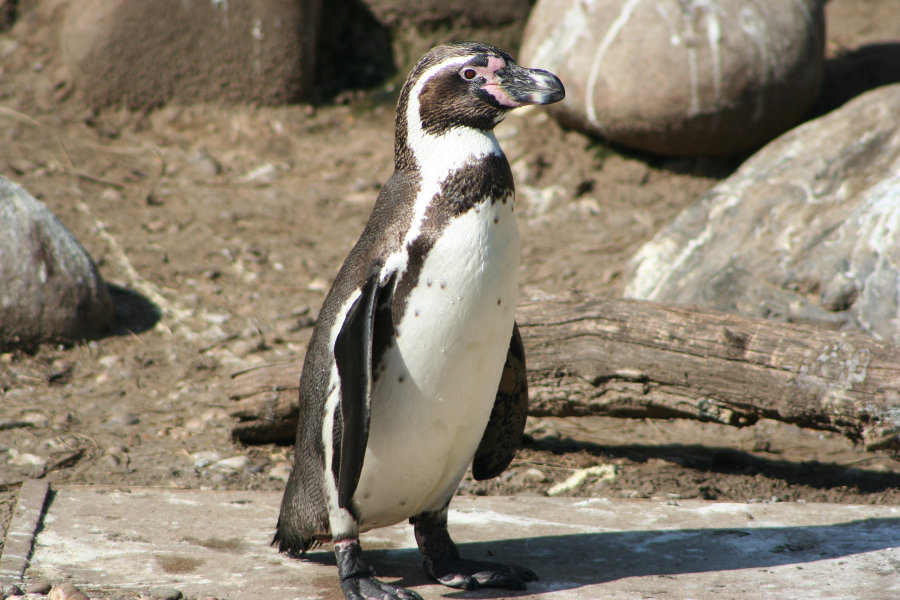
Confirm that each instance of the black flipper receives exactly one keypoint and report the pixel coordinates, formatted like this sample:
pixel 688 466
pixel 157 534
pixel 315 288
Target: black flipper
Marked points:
pixel 503 433
pixel 366 332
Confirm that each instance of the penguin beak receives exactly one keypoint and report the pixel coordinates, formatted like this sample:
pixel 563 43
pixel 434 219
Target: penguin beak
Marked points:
pixel 515 86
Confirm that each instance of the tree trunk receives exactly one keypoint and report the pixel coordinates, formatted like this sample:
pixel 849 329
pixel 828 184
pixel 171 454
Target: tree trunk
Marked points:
pixel 629 358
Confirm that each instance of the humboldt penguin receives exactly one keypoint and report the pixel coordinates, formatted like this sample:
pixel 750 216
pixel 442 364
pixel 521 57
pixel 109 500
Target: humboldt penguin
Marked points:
pixel 415 368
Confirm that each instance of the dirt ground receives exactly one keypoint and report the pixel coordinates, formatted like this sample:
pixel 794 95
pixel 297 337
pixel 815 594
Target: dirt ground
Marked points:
pixel 233 220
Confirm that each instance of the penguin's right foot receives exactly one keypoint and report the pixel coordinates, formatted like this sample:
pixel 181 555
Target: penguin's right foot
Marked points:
pixel 358 579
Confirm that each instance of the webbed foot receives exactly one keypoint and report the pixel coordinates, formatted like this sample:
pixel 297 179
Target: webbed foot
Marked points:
pixel 472 574
pixel 369 588
pixel 358 579
pixel 443 563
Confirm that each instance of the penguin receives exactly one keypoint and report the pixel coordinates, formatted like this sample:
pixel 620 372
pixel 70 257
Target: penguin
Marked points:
pixel 415 368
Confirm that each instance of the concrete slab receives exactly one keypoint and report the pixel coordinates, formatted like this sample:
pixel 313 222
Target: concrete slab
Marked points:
pixel 216 544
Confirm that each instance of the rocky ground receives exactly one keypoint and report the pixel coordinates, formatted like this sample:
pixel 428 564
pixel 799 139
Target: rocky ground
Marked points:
pixel 221 228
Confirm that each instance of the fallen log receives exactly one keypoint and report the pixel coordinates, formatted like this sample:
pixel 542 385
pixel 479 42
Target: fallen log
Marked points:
pixel 630 358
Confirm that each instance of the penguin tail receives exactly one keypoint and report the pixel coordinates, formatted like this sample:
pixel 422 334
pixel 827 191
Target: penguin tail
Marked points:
pixel 293 544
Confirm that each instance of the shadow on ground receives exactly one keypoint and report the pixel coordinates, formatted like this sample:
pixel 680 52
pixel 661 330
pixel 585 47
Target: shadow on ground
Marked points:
pixel 712 459
pixel 134 312
pixel 596 558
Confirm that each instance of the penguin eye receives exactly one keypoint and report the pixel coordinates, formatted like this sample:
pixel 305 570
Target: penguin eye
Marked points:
pixel 469 73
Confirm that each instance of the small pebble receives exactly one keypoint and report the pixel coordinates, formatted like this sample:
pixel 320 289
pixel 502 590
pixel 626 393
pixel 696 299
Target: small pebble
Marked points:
pixel 166 593
pixel 111 195
pixel 35 419
pixel 66 591
pixel 204 162
pixel 39 587
pixel 534 475
pixel 109 361
pixel 235 463
pixel 280 471
pixel 10 589
pixel 317 285
pixel 21 166
pixel 195 425
pixel 24 459
pixel 125 418
pixel 217 318
pixel 206 458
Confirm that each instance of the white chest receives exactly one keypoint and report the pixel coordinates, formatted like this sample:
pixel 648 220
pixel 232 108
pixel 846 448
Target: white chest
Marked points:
pixel 432 402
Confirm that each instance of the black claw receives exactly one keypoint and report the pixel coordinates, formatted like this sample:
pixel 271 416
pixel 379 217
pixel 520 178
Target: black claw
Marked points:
pixel 357 578
pixel 472 574
pixel 369 588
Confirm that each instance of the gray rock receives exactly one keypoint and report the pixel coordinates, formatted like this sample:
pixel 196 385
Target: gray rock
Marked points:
pixel 680 77
pixel 39 587
pixel 164 593
pixel 232 464
pixel 280 471
pixel 51 289
pixel 66 591
pixel 534 475
pixel 143 54
pixel 24 459
pixel 205 458
pixel 808 229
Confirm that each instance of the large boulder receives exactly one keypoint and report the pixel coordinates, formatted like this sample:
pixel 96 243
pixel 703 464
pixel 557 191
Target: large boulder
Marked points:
pixel 438 12
pixel 142 54
pixel 681 77
pixel 50 291
pixel 808 229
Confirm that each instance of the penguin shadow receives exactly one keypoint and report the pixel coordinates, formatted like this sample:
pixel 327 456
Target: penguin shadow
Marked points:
pixel 571 561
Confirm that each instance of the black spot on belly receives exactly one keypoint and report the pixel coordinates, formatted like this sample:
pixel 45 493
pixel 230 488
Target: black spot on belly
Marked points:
pixel 488 179
pixel 401 379
pixel 496 220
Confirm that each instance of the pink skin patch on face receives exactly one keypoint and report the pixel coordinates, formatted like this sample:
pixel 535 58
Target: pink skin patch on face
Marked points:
pixel 492 83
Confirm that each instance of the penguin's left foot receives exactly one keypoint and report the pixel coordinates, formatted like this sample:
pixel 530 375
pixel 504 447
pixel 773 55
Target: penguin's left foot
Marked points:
pixel 443 563
pixel 473 574
pixel 358 579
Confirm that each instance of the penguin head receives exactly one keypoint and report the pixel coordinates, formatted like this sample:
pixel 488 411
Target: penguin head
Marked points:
pixel 470 85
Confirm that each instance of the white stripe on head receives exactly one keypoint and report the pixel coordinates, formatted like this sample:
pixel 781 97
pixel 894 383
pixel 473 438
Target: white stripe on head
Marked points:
pixel 439 155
